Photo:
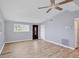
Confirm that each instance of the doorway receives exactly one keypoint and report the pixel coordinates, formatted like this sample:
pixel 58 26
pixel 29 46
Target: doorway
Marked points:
pixel 35 32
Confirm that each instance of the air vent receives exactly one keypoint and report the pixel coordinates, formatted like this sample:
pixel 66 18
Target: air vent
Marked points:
pixel 65 42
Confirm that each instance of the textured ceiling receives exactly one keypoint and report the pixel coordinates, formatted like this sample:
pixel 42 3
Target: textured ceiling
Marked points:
pixel 27 10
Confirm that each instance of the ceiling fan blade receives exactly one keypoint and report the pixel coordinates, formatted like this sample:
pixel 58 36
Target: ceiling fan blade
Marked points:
pixel 43 7
pixel 49 10
pixel 64 2
pixel 59 8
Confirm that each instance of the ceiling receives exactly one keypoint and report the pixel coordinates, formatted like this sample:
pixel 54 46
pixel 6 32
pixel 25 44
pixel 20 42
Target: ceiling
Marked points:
pixel 77 2
pixel 27 10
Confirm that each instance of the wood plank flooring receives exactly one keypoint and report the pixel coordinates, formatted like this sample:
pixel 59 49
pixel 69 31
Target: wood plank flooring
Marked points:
pixel 37 49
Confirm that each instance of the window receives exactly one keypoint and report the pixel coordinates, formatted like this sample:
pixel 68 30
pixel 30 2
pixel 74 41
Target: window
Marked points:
pixel 21 28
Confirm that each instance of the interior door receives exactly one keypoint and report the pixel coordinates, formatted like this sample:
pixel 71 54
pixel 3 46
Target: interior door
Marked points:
pixel 35 32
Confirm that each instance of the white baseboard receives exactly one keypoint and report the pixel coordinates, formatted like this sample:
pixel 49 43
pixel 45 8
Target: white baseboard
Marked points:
pixel 2 48
pixel 17 41
pixel 59 44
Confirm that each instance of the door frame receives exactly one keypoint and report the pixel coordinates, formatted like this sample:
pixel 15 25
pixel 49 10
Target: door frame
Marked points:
pixel 76 25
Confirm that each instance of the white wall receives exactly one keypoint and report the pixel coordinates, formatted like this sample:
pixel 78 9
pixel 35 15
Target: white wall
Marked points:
pixel 61 29
pixel 42 31
pixel 1 32
pixel 12 36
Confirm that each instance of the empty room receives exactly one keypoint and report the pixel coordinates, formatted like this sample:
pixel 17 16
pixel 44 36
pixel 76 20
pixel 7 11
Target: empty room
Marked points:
pixel 39 28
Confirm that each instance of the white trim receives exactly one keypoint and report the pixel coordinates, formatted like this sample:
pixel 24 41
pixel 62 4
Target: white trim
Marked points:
pixel 2 48
pixel 59 44
pixel 17 41
pixel 76 21
pixel 75 29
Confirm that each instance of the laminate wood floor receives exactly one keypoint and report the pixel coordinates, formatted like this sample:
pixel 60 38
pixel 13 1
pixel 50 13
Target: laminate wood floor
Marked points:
pixel 37 49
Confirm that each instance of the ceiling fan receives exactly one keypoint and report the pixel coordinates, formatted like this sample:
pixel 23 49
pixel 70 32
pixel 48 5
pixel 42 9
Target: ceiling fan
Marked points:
pixel 54 5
